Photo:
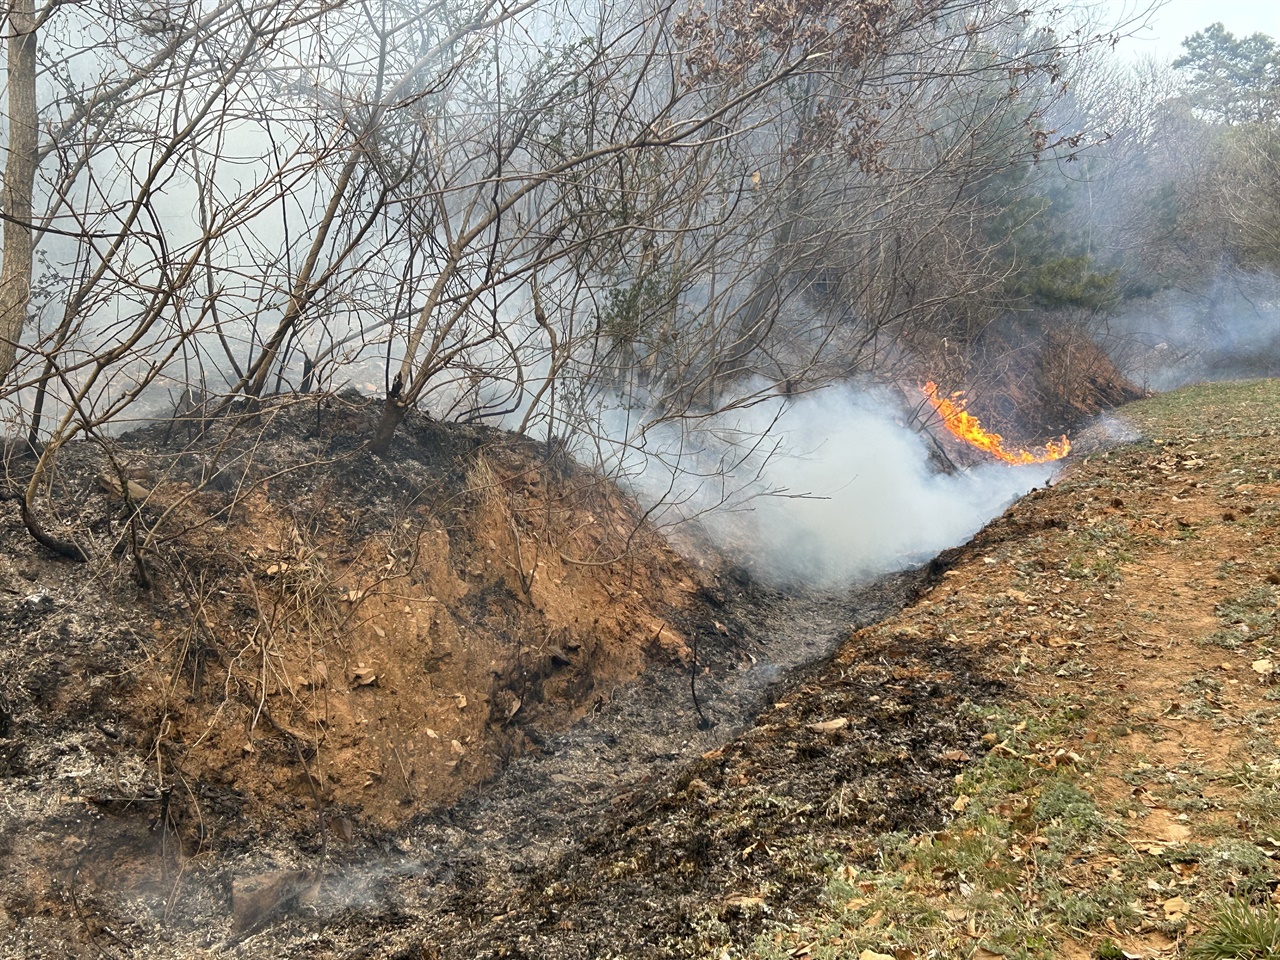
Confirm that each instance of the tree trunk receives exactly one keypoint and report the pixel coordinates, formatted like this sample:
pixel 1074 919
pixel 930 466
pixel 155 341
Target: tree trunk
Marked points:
pixel 393 413
pixel 19 179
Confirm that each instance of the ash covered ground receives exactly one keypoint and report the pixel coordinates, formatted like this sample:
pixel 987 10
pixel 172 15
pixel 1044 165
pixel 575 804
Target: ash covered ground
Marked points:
pixel 428 707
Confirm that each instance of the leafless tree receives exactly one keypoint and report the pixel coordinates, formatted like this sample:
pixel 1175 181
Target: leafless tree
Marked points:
pixel 530 208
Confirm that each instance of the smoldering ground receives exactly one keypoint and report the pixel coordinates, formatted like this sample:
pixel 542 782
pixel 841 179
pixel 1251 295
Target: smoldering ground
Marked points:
pixel 826 489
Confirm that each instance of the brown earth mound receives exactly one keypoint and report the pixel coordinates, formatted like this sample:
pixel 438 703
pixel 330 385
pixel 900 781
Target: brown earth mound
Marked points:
pixel 323 633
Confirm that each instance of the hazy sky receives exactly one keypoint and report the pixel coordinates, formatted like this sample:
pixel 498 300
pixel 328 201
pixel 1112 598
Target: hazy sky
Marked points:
pixel 1178 19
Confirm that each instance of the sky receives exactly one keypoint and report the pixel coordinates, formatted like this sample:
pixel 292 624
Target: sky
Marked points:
pixel 1176 20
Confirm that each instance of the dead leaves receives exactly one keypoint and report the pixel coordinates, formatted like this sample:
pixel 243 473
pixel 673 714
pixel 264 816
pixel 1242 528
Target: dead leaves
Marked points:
pixel 829 726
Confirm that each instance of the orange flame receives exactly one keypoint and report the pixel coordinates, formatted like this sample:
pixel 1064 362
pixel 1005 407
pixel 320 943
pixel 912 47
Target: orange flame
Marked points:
pixel 967 428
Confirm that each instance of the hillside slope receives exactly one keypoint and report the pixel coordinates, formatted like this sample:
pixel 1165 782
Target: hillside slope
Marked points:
pixel 1056 741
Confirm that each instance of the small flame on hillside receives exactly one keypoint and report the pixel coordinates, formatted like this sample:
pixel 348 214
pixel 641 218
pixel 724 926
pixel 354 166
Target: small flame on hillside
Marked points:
pixel 967 428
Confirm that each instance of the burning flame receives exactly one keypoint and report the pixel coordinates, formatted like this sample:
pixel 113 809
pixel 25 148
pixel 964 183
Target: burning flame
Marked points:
pixel 967 428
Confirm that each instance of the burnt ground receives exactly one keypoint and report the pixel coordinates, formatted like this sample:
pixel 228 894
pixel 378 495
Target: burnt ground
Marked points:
pixel 529 844
pixel 702 854
pixel 362 706
pixel 1057 741
pixel 639 800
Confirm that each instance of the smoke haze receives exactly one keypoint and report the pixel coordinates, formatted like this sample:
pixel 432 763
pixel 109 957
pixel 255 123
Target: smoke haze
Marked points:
pixel 843 490
pixel 1228 330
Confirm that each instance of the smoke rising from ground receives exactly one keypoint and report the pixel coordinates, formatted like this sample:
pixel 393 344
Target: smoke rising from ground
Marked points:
pixel 1228 330
pixel 840 492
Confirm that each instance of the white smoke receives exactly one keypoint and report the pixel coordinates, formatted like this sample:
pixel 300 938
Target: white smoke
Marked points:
pixel 838 491
pixel 1226 330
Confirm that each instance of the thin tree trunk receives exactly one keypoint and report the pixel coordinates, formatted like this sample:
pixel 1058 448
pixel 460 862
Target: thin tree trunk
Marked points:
pixel 19 180
pixel 393 413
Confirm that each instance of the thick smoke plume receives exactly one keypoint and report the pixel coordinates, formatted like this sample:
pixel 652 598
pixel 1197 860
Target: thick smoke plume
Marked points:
pixel 843 489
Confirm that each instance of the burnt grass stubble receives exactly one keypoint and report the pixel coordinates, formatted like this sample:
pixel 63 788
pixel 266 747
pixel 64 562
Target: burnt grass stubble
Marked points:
pixel 651 821
pixel 638 828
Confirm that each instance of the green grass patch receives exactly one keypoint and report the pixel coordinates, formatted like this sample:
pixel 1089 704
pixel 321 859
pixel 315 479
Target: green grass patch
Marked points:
pixel 1240 932
pixel 1255 609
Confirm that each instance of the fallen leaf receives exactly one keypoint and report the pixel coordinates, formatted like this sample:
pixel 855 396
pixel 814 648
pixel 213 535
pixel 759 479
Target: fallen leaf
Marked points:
pixel 112 485
pixel 1146 799
pixel 961 803
pixel 1176 907
pixel 956 756
pixel 1263 667
pixel 830 726
pixel 457 748
pixel 872 955
pixel 460 700
pixel 957 915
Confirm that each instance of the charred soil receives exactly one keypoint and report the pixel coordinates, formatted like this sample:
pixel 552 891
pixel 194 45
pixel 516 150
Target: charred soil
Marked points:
pixel 462 703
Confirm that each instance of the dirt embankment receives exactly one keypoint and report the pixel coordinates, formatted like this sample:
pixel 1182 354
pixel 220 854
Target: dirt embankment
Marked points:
pixel 316 643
